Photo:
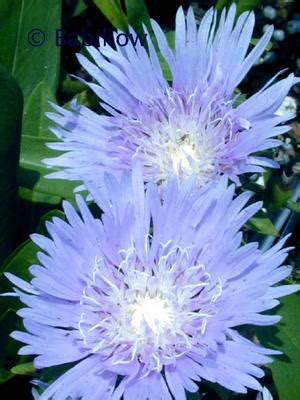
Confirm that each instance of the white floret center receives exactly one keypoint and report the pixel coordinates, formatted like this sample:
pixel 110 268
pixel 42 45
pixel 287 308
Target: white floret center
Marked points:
pixel 179 152
pixel 181 136
pixel 154 313
pixel 183 156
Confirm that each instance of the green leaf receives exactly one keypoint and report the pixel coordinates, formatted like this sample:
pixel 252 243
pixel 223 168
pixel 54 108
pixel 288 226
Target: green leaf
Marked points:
pixel 170 35
pixel 11 104
pixel 35 188
pixel 33 170
pixel 30 65
pixel 33 196
pixel 73 87
pixel 246 5
pixel 79 8
pixel 18 263
pixel 24 369
pixel 222 3
pixel 5 375
pixel 277 197
pixel 285 337
pixel 276 194
pixel 138 15
pixel 263 225
pixel 7 323
pixel 293 205
pixel 238 97
pixel 242 5
pixel 37 70
pixel 35 121
pixel 85 97
pixel 113 11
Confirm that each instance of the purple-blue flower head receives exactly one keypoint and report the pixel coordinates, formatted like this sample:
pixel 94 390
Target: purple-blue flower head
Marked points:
pixel 192 126
pixel 147 300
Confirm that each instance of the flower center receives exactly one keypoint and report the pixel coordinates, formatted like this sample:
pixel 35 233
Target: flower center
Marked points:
pixel 183 156
pixel 183 134
pixel 154 313
pixel 180 151
pixel 151 314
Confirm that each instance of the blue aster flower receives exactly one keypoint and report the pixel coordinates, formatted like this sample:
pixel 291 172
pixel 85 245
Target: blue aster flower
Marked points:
pixel 147 300
pixel 193 125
